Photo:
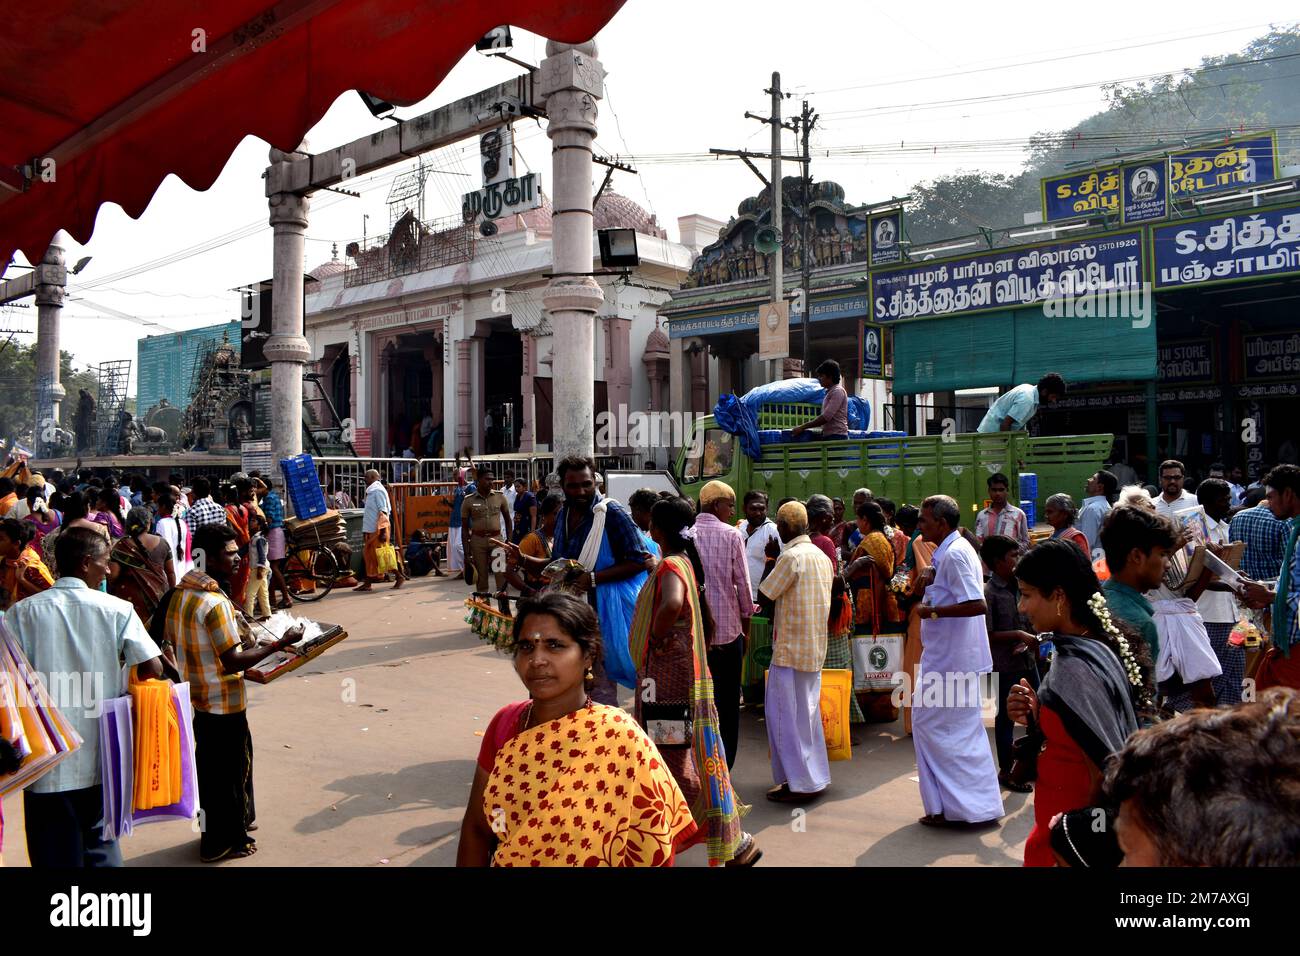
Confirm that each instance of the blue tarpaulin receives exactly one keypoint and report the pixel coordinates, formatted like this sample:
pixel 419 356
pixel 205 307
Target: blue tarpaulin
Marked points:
pixel 739 416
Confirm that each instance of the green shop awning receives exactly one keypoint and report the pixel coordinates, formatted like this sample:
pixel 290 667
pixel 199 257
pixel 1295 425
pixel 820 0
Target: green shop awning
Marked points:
pixel 1020 345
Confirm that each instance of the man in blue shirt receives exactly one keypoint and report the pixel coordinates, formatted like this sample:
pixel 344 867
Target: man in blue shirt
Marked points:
pixel 1012 411
pixel 616 563
pixel 1101 489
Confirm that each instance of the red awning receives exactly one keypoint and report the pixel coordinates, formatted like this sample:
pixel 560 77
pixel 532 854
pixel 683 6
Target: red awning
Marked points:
pixel 115 92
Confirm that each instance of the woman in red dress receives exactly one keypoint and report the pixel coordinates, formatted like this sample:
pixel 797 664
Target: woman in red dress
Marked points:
pixel 1088 703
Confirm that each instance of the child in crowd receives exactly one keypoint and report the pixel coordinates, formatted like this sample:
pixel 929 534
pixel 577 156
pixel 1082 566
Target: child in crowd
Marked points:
pixel 1013 647
pixel 257 599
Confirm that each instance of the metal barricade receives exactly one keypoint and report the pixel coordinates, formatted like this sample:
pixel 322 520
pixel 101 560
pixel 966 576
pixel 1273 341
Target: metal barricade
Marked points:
pixel 349 474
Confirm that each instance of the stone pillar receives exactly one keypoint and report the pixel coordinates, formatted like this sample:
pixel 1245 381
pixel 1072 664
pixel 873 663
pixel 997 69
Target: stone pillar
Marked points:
pixel 464 420
pixel 527 433
pixel 287 348
pixel 699 357
pixel 572 80
pixel 51 281
pixel 677 376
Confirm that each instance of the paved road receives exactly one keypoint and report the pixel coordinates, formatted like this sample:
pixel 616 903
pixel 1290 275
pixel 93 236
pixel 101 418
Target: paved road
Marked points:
pixel 364 757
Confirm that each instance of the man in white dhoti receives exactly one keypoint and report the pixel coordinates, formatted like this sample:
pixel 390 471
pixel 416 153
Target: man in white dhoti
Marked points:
pixel 800 586
pixel 959 782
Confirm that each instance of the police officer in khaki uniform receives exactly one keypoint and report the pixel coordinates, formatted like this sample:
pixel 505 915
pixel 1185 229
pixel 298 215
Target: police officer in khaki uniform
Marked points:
pixel 482 514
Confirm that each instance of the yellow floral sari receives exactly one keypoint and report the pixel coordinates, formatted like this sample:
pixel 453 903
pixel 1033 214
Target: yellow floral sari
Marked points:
pixel 24 576
pixel 589 789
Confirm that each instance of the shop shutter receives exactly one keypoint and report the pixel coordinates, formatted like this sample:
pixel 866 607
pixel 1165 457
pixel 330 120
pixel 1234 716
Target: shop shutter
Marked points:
pixel 1012 347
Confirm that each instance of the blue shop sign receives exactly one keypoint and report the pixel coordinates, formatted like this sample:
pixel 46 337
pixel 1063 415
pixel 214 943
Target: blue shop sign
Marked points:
pixel 1107 266
pixel 1245 245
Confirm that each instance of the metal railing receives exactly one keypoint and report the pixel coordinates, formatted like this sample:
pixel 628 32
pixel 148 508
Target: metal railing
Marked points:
pixel 413 247
pixel 348 474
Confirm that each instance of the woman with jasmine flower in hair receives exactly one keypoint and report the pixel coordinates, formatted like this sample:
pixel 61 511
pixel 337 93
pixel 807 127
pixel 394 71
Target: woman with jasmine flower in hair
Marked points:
pixel 1088 703
pixel 672 628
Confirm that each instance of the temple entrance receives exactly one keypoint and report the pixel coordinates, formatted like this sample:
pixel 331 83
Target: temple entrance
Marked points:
pixel 414 395
pixel 503 403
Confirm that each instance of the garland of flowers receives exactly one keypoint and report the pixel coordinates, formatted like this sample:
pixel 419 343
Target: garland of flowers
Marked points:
pixel 1097 603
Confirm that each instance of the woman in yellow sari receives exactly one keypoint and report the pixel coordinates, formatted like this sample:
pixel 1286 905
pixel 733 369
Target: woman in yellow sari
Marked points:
pixel 562 781
pixel 869 571
pixel 22 572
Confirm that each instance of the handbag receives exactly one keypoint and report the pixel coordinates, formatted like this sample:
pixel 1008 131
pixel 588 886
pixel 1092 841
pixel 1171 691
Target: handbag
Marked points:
pixel 385 558
pixel 1024 754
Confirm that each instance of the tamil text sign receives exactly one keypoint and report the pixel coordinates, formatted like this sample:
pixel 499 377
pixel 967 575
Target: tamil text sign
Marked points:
pixel 1009 278
pixel 1230 165
pixel 1272 355
pixel 505 198
pixel 1073 195
pixel 1241 246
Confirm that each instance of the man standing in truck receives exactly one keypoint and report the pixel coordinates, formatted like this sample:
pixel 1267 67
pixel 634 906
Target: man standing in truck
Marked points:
pixel 834 419
pixel 1012 411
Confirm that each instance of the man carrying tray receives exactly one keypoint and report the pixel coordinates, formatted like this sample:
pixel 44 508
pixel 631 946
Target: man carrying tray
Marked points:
pixel 212 649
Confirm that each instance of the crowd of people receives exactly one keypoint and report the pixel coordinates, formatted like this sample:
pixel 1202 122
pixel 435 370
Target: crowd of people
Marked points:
pixel 1122 673
pixel 1102 652
pixel 105 570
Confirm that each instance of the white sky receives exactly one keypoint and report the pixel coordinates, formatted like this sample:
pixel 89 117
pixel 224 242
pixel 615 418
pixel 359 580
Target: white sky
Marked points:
pixel 681 75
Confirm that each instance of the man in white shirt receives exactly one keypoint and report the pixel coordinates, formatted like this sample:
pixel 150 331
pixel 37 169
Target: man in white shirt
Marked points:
pixel 1001 516
pixel 1012 411
pixel 762 540
pixel 76 635
pixel 959 782
pixel 1217 606
pixel 1173 497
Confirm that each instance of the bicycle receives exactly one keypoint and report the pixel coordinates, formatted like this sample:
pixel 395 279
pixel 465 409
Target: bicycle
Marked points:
pixel 313 561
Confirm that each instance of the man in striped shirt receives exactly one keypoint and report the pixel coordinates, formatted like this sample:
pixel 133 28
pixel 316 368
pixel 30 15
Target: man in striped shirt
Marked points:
pixel 1001 516
pixel 212 650
pixel 726 581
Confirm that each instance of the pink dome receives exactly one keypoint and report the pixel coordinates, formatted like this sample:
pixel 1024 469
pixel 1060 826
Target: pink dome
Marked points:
pixel 656 341
pixel 615 211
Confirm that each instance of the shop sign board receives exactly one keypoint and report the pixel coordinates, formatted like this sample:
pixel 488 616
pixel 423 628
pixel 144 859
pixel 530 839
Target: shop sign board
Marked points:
pixel 1010 278
pixel 1245 245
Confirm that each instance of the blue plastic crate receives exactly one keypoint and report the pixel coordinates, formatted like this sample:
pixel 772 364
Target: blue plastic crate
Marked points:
pixel 1029 485
pixel 302 486
pixel 1028 507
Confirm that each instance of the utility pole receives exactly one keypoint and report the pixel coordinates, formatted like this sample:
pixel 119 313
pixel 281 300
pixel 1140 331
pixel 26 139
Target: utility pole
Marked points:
pixel 778 202
pixel 776 269
pixel 806 121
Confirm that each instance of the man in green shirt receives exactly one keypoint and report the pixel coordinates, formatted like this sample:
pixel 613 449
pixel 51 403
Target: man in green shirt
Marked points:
pixel 1137 543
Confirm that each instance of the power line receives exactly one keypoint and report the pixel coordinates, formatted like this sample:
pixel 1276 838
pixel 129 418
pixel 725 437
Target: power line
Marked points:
pixel 1024 63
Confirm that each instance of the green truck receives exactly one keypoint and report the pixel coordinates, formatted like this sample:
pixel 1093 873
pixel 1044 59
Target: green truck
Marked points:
pixel 904 469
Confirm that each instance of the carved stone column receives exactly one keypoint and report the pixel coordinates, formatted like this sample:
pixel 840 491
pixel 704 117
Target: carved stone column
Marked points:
pixel 287 349
pixel 572 80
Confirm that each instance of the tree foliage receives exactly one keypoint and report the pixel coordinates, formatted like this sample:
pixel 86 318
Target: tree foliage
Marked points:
pixel 1256 88
pixel 18 383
